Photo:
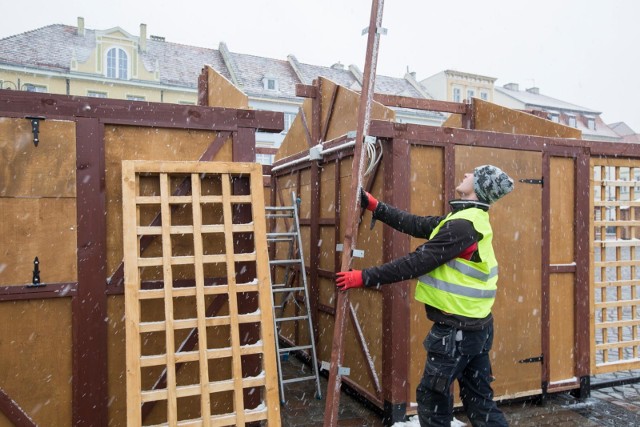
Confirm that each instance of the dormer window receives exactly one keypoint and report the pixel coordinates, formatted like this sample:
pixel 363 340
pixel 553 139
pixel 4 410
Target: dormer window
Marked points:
pixel 270 83
pixel 117 64
pixel 571 120
pixel 591 122
pixel 554 116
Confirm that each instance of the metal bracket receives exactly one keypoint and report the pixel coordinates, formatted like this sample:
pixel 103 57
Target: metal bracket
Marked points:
pixel 342 370
pixel 380 30
pixel 35 127
pixel 532 359
pixel 355 253
pixel 532 181
pixel 36 275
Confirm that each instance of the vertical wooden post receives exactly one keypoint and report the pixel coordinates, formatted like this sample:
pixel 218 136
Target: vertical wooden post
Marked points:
pixel 89 306
pixel 351 231
pixel 395 299
pixel 314 232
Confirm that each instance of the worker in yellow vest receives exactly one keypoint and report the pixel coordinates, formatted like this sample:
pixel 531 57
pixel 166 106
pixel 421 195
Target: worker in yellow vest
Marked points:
pixel 457 274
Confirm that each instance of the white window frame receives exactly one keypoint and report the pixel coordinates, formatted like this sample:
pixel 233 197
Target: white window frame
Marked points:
pixel 571 121
pixel 97 94
pixel 484 96
pixel 288 121
pixel 30 87
pixel 457 94
pixel 136 98
pixel 470 94
pixel 118 70
pixel 267 81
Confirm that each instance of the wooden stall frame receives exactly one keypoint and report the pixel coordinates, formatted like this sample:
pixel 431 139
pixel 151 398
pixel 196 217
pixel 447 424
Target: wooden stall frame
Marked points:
pixel 89 294
pixel 397 135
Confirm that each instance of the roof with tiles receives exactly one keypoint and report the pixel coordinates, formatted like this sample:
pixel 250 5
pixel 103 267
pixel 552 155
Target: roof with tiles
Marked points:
pixel 54 46
pixel 539 100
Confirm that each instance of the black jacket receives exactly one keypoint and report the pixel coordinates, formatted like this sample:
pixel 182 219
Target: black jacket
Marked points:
pixel 452 239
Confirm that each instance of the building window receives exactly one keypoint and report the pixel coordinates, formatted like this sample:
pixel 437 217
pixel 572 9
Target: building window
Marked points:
pixel 456 94
pixel 117 64
pixel 470 94
pixel 591 123
pixel 484 96
pixel 270 83
pixel 186 103
pixel 288 121
pixel 34 88
pixel 572 121
pixel 95 94
pixel 265 159
pixel 135 98
pixel 554 118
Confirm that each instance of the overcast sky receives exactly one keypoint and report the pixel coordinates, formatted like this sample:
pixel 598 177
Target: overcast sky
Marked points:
pixel 585 52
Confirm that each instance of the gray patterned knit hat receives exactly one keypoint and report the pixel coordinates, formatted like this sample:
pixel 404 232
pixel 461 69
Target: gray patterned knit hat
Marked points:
pixel 490 183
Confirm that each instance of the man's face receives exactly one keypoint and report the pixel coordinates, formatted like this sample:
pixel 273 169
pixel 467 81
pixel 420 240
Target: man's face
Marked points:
pixel 465 188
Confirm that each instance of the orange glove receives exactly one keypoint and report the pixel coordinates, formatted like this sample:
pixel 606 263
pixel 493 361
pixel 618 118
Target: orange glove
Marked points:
pixel 367 201
pixel 349 279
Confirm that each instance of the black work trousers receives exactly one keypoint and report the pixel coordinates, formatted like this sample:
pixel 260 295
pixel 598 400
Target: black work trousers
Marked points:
pixel 463 355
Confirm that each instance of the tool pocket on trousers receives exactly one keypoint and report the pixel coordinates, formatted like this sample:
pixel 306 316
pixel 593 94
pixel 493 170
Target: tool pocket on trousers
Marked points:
pixel 440 340
pixel 438 375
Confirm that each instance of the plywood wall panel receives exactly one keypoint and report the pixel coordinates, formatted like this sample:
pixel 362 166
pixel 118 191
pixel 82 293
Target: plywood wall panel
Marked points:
pixel 35 367
pixel 48 170
pixel 38 227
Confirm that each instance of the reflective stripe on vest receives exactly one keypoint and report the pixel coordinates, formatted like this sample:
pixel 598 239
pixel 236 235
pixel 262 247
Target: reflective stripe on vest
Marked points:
pixel 461 286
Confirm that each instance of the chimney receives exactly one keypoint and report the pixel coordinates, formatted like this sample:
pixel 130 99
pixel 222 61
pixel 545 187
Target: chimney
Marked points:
pixel 142 42
pixel 512 86
pixel 338 66
pixel 80 26
pixel 534 90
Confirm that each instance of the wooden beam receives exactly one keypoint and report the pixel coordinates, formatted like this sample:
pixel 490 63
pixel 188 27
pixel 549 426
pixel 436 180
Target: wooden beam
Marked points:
pixel 306 91
pixel 152 114
pixel 14 412
pixel 89 306
pixel 420 103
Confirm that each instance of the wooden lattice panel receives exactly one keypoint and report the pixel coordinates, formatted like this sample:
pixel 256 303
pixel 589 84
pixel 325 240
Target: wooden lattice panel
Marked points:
pixel 615 259
pixel 197 298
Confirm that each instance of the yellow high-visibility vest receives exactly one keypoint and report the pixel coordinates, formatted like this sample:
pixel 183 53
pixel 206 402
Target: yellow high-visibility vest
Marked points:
pixel 463 287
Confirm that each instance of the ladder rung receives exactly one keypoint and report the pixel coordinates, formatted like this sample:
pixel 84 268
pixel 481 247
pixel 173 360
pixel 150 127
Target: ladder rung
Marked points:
pixel 298 348
pixel 285 261
pixel 278 208
pixel 278 239
pixel 288 289
pixel 287 234
pixel 295 380
pixel 290 319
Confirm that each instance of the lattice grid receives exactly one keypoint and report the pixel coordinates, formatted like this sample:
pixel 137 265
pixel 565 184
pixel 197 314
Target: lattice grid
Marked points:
pixel 199 323
pixel 616 265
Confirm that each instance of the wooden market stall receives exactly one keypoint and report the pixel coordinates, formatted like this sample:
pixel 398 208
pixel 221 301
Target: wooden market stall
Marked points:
pixel 63 333
pixel 543 341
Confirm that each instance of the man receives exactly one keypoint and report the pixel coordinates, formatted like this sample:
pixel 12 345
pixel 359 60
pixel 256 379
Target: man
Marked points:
pixel 457 276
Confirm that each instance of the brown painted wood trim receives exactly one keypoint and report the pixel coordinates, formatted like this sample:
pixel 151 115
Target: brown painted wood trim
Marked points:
pixel 583 294
pixel 306 91
pixel 89 306
pixel 315 190
pixel 449 174
pixel 152 114
pixel 562 268
pixel 203 87
pixel 432 135
pixel 395 298
pixel 323 222
pixel 14 412
pixel 545 260
pixel 266 150
pixel 51 290
pixel 420 103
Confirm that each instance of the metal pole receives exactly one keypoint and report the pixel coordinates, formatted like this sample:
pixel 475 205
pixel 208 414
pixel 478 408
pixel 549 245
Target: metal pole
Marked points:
pixel 351 231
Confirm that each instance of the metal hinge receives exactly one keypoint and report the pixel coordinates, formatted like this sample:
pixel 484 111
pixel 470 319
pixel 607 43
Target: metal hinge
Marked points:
pixel 532 181
pixel 532 359
pixel 35 127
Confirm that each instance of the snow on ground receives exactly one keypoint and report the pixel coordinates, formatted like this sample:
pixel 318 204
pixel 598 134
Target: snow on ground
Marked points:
pixel 413 422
